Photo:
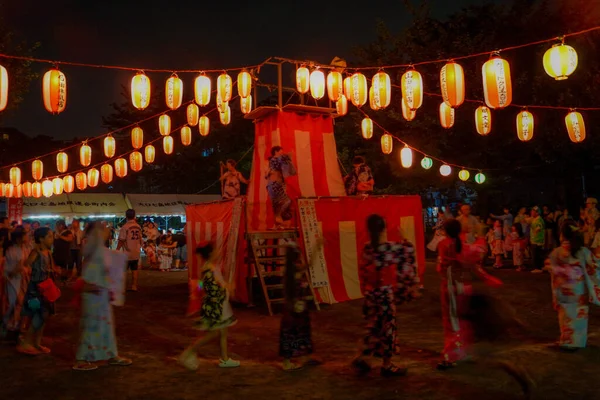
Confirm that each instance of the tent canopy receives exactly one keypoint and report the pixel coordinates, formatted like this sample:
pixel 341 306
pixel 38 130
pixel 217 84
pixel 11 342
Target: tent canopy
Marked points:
pixel 166 204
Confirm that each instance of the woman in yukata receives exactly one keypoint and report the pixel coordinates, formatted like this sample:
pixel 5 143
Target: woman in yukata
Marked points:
pixel 280 167
pixel 360 181
pixel 231 181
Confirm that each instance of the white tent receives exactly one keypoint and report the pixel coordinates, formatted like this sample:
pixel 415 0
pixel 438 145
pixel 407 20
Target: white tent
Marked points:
pixel 47 207
pixel 98 204
pixel 166 204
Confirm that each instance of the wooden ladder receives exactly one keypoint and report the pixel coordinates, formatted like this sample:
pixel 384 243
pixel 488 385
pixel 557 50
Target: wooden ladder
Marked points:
pixel 268 251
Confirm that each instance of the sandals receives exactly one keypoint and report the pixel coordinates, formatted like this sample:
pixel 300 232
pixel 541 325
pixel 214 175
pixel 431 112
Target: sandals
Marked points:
pixel 29 350
pixel 43 349
pixel 120 362
pixel 188 360
pixel 85 366
pixel 229 363
pixel 393 371
pixel 361 366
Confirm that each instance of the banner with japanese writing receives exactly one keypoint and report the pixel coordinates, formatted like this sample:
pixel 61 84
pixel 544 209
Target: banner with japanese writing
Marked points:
pixel 14 210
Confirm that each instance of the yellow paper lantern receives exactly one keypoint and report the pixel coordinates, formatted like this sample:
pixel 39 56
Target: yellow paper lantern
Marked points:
pixel 81 180
pixel 18 191
pixel 62 162
pixel 37 170
pixel 575 126
pixel 54 90
pixel 58 186
pixel 136 161
pixel 335 85
pixel 186 137
pixel 27 189
pixel 106 173
pixel 483 120
pixel 3 88
pixel 317 84
pixel 406 157
pixel 560 61
pixel 204 125
pixel 168 145
pixel 445 170
pixel 382 90
pixel 137 137
pixel 36 190
pixel 121 165
pixel 193 114
pixel 387 143
pixel 246 104
pixel 341 106
pixel 224 87
pixel 15 176
pixel 303 80
pixel 225 116
pixel 85 155
pixel 93 177
pixel 164 125
pixel 109 146
pixel 244 83
pixel 452 84
pixel 221 105
pixel 140 91
pixel 446 116
pixel 68 184
pixel 407 113
pixel 463 175
pixel 525 126
pixel 347 87
pixel 174 92
pixel 372 103
pixel 8 190
pixel 359 91
pixel 366 128
pixel 202 90
pixel 149 154
pixel 47 188
pixel 497 86
pixel 412 89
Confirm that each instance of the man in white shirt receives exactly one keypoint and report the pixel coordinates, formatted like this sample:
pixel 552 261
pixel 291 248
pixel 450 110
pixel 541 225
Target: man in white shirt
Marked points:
pixel 130 240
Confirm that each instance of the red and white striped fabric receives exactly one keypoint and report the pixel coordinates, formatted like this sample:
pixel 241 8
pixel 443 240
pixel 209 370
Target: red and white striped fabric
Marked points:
pixel 310 140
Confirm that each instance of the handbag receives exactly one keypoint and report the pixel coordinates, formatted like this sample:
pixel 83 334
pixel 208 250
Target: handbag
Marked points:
pixel 50 292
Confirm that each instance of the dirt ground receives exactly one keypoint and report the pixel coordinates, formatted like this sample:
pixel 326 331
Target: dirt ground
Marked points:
pixel 151 329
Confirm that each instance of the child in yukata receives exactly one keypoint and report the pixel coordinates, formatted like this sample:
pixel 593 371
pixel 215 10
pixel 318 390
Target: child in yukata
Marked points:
pixel 498 245
pixel 232 178
pixel 280 167
pixel 360 181
pixel 518 246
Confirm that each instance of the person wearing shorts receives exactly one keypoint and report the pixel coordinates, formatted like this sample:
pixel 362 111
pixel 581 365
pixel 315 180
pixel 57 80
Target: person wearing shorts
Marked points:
pixel 180 251
pixel 130 241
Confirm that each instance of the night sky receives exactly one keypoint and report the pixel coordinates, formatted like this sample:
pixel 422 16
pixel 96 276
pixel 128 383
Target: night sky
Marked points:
pixel 179 35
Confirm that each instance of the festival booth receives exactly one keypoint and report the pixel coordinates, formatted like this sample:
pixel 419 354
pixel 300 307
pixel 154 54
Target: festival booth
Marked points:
pixel 321 209
pixel 75 205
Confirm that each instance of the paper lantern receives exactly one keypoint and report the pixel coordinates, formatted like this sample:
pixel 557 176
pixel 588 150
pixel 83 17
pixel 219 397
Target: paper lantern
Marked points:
pixel 341 106
pixel 303 80
pixel 140 91
pixel 407 113
pixel 347 87
pixel 62 162
pixel 359 90
pixel 58 186
pixel 54 91
pixel 36 190
pixel 575 126
pixel 18 191
pixel 193 114
pixel 224 87
pixel 446 116
pixel 8 190
pixel 93 177
pixel 174 92
pixel 106 173
pixel 121 165
pixel 164 125
pixel 483 120
pixel 497 86
pixel 406 157
pixel 168 145
pixel 149 154
pixel 204 125
pixel 37 170
pixel 68 184
pixel 366 128
pixel 136 161
pixel 109 146
pixel 335 85
pixel 525 125
pixel 463 175
pixel 137 137
pixel 560 61
pixel 221 105
pixel 81 180
pixel 246 104
pixel 85 155
pixel 412 89
pixel 480 178
pixel 225 116
pixel 372 103
pixel 426 162
pixel 445 170
pixel 317 84
pixel 15 176
pixel 47 188
pixel 452 84
pixel 382 90
pixel 27 189
pixel 3 88
pixel 202 90
pixel 387 143
pixel 244 83
pixel 186 137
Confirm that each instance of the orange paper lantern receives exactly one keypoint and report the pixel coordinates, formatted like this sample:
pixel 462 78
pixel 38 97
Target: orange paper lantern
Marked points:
pixel 412 89
pixel 525 126
pixel 193 114
pixel 3 88
pixel 497 86
pixel 136 161
pixel 244 83
pixel 68 184
pixel 335 85
pixel 137 137
pixel 168 145
pixel 81 180
pixel 452 83
pixel 407 113
pixel 93 177
pixel 387 143
pixel 8 190
pixel 359 91
pixel 225 116
pixel 106 173
pixel 382 90
pixel 58 186
pixel 224 87
pixel 204 125
pixel 174 92
pixel 37 170
pixel 15 176
pixel 121 166
pixel 149 154
pixel 446 116
pixel 303 80
pixel 186 137
pixel 85 155
pixel 36 190
pixel 27 189
pixel 341 106
pixel 366 128
pixel 109 146
pixel 62 162
pixel 47 188
pixel 575 126
pixel 317 84
pixel 164 125
pixel 560 61
pixel 18 192
pixel 140 91
pixel 483 120
pixel 202 90
pixel 54 91
pixel 246 104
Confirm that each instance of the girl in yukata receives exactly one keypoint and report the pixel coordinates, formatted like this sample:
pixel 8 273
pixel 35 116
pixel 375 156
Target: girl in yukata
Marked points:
pixel 575 273
pixel 438 230
pixel 231 181
pixel 498 245
pixel 165 254
pixel 360 181
pixel 518 246
pixel 280 167
pixel 388 277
